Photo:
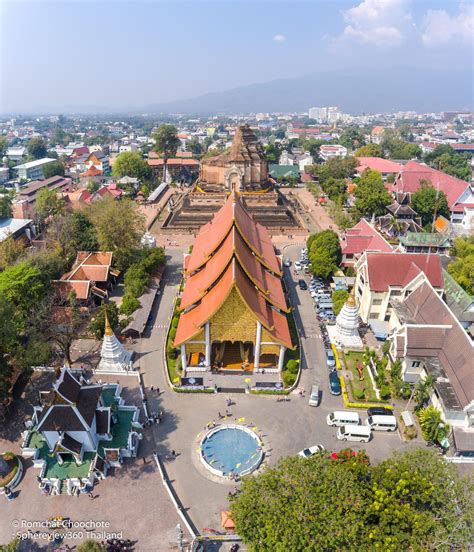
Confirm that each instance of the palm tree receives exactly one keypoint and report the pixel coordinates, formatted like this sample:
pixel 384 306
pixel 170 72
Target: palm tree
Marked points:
pixel 423 391
pixel 432 424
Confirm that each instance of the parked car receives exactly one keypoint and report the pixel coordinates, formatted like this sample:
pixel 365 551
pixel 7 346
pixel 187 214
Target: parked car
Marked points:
pixel 297 265
pixel 287 262
pixel 302 284
pixel 314 397
pixel 311 451
pixel 330 358
pixel 379 411
pixel 334 383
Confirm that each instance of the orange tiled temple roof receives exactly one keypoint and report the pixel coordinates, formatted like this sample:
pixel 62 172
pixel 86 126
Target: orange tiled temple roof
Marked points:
pixel 233 251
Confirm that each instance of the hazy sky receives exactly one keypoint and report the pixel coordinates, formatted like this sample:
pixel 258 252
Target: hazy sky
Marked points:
pixel 64 55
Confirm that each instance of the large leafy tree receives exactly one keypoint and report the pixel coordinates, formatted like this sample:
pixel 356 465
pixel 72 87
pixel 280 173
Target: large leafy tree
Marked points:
pixel 462 267
pixel 304 504
pixel 371 194
pixel 48 204
pixel 370 150
pixel 130 163
pixel 444 158
pixel 119 227
pixel 54 169
pixel 5 206
pixel 37 147
pixel 339 297
pixel 10 251
pixel 166 143
pixel 429 203
pixel 324 253
pixel 352 138
pixel 3 146
pixel 412 501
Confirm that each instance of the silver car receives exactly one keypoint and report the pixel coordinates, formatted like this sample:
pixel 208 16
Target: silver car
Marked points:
pixel 314 398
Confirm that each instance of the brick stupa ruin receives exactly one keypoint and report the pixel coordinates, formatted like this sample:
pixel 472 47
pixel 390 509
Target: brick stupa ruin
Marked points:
pixel 242 169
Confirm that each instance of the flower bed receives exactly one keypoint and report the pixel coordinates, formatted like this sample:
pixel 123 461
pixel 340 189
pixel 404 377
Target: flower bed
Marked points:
pixel 14 464
pixel 359 389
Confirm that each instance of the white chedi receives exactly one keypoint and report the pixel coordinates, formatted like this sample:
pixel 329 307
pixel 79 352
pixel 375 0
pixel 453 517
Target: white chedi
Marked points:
pixel 347 321
pixel 113 355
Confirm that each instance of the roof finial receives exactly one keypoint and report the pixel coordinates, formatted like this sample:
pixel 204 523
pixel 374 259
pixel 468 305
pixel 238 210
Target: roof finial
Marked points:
pixel 108 330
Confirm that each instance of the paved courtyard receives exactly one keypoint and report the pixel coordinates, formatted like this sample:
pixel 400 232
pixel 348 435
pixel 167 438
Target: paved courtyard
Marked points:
pixel 186 415
pixel 134 499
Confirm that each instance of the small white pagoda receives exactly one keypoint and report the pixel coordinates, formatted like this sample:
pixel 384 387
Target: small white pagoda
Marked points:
pixel 346 331
pixel 114 358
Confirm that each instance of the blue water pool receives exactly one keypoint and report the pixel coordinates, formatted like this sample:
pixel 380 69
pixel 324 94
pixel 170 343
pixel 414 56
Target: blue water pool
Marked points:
pixel 231 449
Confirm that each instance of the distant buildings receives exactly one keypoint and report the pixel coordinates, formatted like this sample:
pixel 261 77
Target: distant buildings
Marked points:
pixel 33 170
pixel 16 153
pixel 459 193
pixel 297 157
pixel 23 204
pixel 325 114
pixel 328 151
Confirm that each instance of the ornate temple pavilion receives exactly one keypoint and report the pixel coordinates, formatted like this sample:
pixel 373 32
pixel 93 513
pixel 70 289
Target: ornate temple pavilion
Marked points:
pixel 233 309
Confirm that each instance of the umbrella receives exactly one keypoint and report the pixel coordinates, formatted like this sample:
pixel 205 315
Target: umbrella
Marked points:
pixel 226 521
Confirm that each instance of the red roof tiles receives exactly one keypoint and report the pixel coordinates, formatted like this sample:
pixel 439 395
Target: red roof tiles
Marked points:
pixel 363 237
pixel 399 269
pixel 409 178
pixel 378 164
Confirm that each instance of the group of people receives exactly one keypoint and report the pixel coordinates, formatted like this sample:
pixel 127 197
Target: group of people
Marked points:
pixel 154 418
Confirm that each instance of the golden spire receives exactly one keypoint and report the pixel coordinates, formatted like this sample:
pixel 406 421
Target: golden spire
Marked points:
pixel 351 301
pixel 108 329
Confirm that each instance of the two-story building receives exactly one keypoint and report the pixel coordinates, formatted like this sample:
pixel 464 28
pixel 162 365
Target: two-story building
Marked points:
pixel 382 277
pixel 429 340
pixel 327 151
pixel 33 170
pixel 360 238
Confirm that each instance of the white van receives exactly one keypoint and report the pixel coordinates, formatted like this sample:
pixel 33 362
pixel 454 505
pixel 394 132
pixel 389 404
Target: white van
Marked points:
pixel 354 433
pixel 314 397
pixel 341 418
pixel 382 423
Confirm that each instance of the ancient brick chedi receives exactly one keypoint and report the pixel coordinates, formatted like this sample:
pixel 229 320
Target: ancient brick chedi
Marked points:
pixel 242 168
pixel 233 309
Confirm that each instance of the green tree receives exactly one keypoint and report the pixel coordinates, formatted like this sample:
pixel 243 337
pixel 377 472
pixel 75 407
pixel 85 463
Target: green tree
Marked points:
pixel 423 390
pixel 130 163
pixel 48 204
pixel 370 150
pixel 10 251
pixel 23 287
pixel 166 143
pixel 444 158
pixel 273 152
pixel 37 148
pixel 93 186
pixel 97 323
pixel 129 304
pixel 419 502
pixel 5 206
pixel 433 427
pixel 461 267
pixel 335 189
pixel 90 545
pixel 352 138
pixel 339 297
pixel 371 194
pixel 399 149
pixel 3 146
pixel 429 203
pixel 54 169
pixel 327 239
pixel 195 146
pixel 119 227
pixel 12 546
pixel 322 263
pixel 304 504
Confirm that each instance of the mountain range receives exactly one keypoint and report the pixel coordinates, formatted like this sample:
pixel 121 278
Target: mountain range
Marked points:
pixel 357 92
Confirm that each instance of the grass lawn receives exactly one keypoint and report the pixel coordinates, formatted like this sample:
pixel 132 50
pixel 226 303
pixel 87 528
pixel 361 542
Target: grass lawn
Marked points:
pixel 351 360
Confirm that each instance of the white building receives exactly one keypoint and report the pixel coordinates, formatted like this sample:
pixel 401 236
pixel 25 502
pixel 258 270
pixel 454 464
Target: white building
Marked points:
pixel 328 151
pixel 429 340
pixel 298 157
pixel 16 153
pixel 33 170
pixel 382 277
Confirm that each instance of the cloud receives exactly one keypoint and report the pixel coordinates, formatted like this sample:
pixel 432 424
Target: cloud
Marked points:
pixel 279 38
pixel 377 22
pixel 441 29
